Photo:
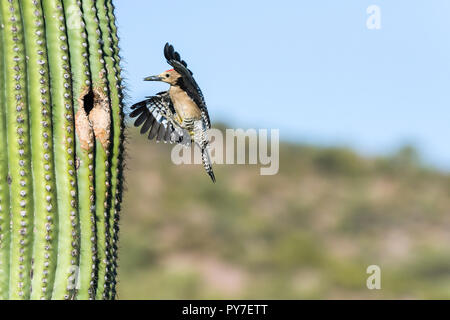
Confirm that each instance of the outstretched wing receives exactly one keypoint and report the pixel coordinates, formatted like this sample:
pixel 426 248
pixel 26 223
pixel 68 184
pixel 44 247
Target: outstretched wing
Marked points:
pixel 187 82
pixel 157 115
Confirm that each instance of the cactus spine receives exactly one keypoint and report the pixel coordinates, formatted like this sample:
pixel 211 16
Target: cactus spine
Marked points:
pixel 61 118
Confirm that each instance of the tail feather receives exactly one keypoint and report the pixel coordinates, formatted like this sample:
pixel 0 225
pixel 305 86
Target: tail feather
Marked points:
pixel 213 177
pixel 207 164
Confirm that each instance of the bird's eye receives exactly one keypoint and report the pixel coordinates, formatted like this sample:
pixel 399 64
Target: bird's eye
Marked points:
pixel 167 75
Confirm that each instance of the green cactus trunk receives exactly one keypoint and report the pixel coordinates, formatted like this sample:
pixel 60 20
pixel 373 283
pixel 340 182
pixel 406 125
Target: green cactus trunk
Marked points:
pixel 61 138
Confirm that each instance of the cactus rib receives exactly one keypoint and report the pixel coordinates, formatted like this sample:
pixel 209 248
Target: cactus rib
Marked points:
pixel 100 117
pixel 84 147
pixel 4 190
pixel 21 204
pixel 115 81
pixel 116 114
pixel 64 146
pixel 44 241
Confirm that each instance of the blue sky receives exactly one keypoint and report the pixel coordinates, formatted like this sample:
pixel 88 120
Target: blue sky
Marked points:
pixel 310 68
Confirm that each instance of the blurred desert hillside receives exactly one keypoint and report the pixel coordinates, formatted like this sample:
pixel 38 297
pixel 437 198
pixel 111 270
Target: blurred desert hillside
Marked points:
pixel 309 232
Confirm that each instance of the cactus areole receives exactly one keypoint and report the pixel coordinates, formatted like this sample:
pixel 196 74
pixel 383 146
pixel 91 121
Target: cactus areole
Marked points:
pixel 61 148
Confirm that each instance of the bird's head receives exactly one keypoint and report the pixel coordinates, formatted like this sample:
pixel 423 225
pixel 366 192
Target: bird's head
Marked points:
pixel 170 76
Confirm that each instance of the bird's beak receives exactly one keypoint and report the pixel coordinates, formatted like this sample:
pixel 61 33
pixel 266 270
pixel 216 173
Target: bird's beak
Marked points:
pixel 153 78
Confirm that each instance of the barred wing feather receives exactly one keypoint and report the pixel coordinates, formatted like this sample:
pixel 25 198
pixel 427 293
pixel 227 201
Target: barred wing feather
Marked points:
pixel 156 115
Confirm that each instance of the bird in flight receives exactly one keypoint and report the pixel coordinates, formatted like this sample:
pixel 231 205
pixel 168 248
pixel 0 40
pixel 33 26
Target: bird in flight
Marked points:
pixel 178 115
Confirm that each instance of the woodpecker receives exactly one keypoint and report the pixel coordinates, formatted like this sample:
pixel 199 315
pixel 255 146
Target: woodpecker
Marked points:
pixel 178 115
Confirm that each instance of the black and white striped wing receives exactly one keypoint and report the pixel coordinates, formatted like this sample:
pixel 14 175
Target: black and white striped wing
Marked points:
pixel 187 81
pixel 156 115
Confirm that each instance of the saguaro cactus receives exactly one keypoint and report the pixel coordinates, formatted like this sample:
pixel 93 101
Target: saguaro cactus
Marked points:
pixel 61 148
